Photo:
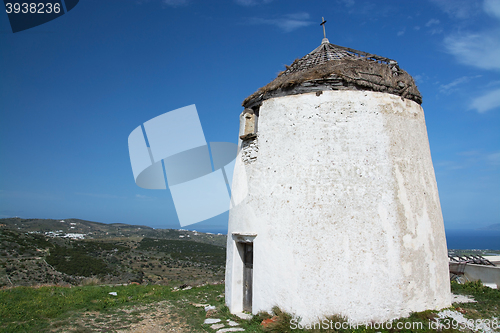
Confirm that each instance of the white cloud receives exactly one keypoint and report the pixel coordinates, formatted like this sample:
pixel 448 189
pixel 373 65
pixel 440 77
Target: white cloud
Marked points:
pixel 432 22
pixel 474 49
pixel 494 158
pixel 449 165
pixel 176 3
pixel 447 88
pixel 461 9
pixel 486 102
pixel 421 78
pixel 101 195
pixel 433 25
pixel 470 159
pixel 416 28
pixel 401 32
pixel 287 23
pixel 348 3
pixel 492 7
pixel 143 197
pixel 29 195
pixel 493 83
pixel 469 153
pixel 249 3
pixel 476 156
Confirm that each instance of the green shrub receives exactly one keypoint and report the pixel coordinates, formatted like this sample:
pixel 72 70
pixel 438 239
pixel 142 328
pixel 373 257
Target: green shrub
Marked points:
pixel 74 262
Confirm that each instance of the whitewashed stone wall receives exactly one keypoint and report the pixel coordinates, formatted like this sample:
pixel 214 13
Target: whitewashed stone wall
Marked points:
pixel 343 202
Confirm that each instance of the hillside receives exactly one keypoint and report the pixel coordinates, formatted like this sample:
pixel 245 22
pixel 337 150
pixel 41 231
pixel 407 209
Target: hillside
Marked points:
pixel 76 228
pixel 72 252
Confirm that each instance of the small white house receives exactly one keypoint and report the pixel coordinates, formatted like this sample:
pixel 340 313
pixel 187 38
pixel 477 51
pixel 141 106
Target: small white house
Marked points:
pixel 338 209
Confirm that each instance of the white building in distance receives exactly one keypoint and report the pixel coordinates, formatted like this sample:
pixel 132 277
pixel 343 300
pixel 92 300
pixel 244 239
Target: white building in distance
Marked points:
pixel 338 208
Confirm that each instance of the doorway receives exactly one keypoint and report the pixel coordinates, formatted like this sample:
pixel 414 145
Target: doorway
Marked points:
pixel 247 276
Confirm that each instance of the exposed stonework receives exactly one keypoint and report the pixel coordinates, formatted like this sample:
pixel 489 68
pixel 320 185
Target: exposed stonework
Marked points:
pixel 250 150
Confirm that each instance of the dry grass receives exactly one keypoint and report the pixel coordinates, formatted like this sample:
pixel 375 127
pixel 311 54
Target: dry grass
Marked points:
pixel 360 74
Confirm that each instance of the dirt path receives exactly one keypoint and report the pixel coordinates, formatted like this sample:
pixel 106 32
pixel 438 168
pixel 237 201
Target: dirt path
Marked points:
pixel 152 318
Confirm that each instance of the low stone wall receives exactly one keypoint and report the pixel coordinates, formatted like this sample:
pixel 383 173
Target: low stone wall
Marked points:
pixel 489 275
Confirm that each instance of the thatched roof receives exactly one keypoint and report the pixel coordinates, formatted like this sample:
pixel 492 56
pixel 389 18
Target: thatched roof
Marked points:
pixel 333 67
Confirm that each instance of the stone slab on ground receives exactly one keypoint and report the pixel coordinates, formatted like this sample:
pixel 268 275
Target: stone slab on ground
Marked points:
pixel 231 329
pixel 244 316
pixel 211 321
pixel 216 326
pixel 232 323
pixel 462 299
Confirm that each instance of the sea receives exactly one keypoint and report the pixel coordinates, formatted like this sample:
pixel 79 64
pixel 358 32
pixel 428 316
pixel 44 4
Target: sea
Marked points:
pixel 462 239
pixel 457 239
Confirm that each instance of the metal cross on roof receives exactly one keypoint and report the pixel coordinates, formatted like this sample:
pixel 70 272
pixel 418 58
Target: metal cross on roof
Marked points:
pixel 323 24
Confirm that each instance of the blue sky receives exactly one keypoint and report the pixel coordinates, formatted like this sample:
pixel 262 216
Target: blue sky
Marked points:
pixel 73 89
